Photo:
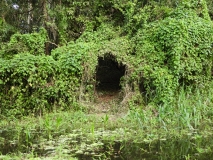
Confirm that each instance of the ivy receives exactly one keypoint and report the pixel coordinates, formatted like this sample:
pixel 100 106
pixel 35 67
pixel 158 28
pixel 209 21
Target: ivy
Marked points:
pixel 32 84
pixel 175 51
pixel 33 43
pixel 163 47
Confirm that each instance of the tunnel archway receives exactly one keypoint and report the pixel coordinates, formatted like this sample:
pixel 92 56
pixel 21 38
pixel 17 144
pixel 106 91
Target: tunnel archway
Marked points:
pixel 109 73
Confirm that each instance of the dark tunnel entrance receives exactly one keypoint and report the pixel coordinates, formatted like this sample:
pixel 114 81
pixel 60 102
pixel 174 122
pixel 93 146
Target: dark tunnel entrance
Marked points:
pixel 108 74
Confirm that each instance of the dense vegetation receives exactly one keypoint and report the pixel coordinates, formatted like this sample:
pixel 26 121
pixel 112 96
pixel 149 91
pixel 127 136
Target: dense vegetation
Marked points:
pixel 49 57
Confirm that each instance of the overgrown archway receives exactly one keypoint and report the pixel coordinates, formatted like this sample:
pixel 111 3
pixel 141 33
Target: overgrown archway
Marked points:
pixel 109 73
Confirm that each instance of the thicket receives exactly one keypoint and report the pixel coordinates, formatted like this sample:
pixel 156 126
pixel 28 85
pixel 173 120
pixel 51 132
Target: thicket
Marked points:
pixel 175 52
pixel 163 47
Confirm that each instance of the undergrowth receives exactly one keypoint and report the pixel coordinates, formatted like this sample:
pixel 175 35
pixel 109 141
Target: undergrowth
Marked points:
pixel 185 127
pixel 166 88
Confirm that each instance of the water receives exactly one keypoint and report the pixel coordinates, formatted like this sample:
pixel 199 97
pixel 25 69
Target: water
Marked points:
pixel 106 144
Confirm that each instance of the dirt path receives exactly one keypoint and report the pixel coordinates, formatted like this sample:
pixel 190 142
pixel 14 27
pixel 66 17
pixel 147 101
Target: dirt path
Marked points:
pixel 108 103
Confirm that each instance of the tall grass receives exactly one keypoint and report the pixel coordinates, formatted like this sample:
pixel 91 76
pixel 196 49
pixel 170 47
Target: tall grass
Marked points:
pixel 182 130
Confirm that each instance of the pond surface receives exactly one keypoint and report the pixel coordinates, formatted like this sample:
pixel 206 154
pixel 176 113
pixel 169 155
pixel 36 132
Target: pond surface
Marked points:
pixel 105 144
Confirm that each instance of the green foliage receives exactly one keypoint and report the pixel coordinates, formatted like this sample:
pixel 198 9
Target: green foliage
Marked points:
pixel 185 128
pixel 35 84
pixel 105 32
pixel 199 6
pixel 6 31
pixel 70 73
pixel 167 82
pixel 27 84
pixel 86 51
pixel 19 43
pixel 171 47
pixel 210 8
pixel 173 52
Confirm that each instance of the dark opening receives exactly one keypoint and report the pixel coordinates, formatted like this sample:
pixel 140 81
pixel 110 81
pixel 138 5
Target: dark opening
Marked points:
pixel 108 73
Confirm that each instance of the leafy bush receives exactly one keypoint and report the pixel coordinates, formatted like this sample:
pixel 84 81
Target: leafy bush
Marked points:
pixel 35 84
pixel 175 51
pixel 27 83
pixel 172 48
pixel 6 31
pixel 19 43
